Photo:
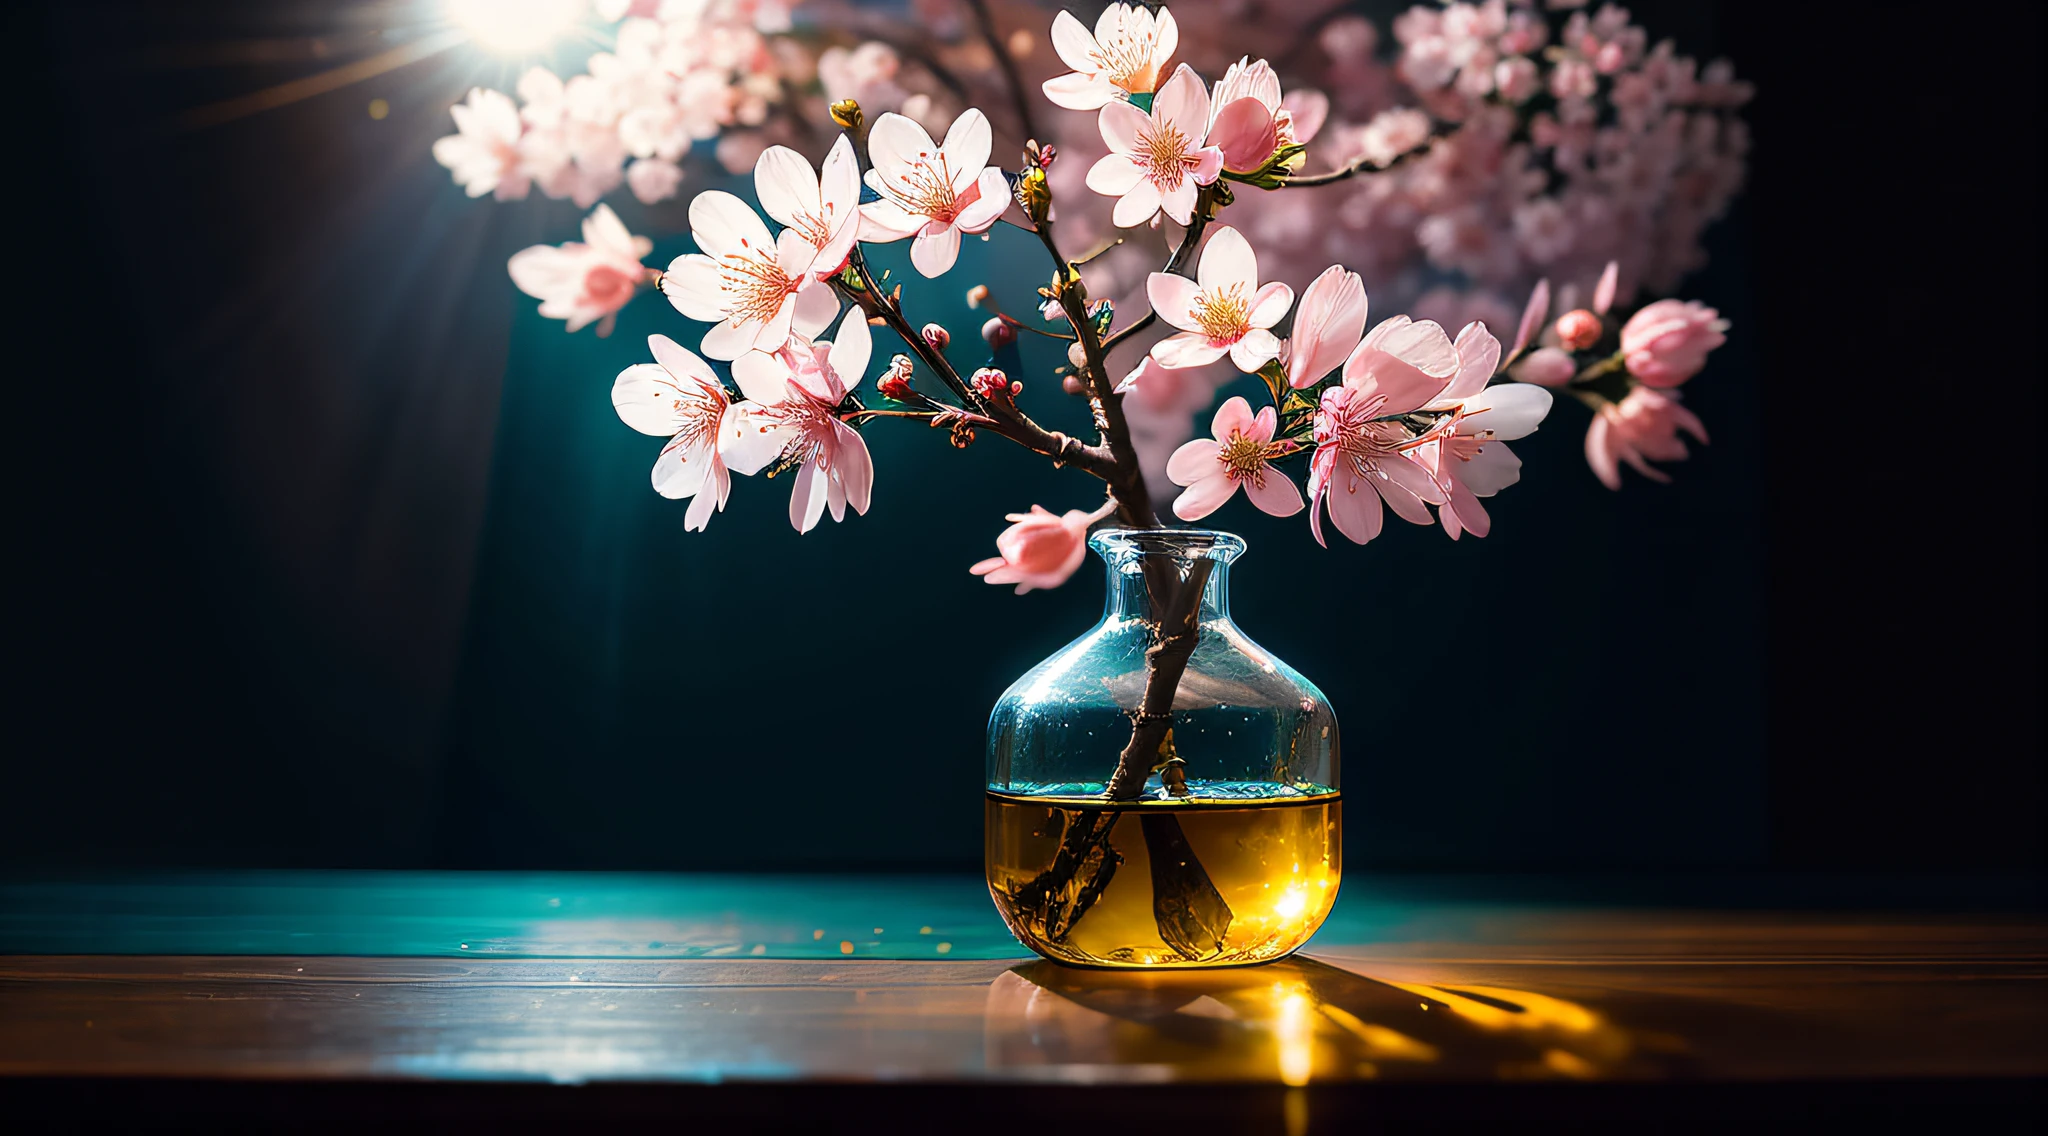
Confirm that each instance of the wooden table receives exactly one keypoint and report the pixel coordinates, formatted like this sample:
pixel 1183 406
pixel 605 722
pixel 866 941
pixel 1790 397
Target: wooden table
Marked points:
pixel 842 1003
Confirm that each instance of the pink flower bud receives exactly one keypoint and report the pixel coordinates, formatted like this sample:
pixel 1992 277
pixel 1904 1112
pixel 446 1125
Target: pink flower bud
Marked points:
pixel 1039 551
pixel 895 382
pixel 1578 329
pixel 998 332
pixel 1667 342
pixel 1546 367
pixel 936 337
pixel 977 295
pixel 994 385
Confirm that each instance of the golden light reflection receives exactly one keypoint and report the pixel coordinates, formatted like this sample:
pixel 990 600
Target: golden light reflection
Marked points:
pixel 1296 1021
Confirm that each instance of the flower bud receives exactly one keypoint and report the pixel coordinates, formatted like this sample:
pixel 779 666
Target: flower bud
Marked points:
pixel 1077 356
pixel 1546 367
pixel 998 333
pixel 1667 342
pixel 935 337
pixel 977 295
pixel 846 113
pixel 895 382
pixel 1578 329
pixel 994 385
pixel 1034 195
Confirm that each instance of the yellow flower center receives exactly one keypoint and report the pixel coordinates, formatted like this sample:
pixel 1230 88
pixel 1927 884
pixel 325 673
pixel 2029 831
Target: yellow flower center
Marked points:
pixel 754 283
pixel 1244 458
pixel 1223 314
pixel 926 188
pixel 1164 155
pixel 1127 62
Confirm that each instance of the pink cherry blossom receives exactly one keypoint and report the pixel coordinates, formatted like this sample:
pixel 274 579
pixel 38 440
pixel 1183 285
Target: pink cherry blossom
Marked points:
pixel 755 289
pixel 1643 427
pixel 1667 342
pixel 679 397
pixel 932 191
pixel 1328 325
pixel 483 154
pixel 587 280
pixel 1223 311
pixel 1467 453
pixel 1040 549
pixel 1241 453
pixel 1363 456
pixel 653 179
pixel 1157 160
pixel 1392 133
pixel 821 205
pixel 1249 119
pixel 789 417
pixel 1125 55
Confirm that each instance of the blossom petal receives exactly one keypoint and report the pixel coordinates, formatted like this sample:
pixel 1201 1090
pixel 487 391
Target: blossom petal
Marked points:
pixel 934 250
pixel 1532 316
pixel 1193 461
pixel 695 287
pixel 1510 410
pixel 648 400
pixel 683 363
pixel 1112 175
pixel 1079 91
pixel 705 503
pixel 896 143
pixel 1478 359
pixel 1245 134
pixel 816 307
pixel 682 470
pixel 807 497
pixel 1254 349
pixel 787 185
pixel 967 146
pixel 1122 126
pixel 749 438
pixel 1205 496
pixel 1073 43
pixel 1275 493
pixel 1270 304
pixel 1233 417
pixel 1183 102
pixel 1179 202
pixel 1172 297
pixel 1603 292
pixel 761 377
pixel 1188 349
pixel 1355 507
pixel 1227 259
pixel 1136 207
pixel 992 197
pixel 852 346
pixel 722 224
pixel 856 467
pixel 1327 325
pixel 1493 468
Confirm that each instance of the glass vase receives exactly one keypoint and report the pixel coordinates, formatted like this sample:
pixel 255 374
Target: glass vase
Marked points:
pixel 1135 819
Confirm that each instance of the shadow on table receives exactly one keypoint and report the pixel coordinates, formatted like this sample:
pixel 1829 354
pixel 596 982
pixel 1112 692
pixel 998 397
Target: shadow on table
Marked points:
pixel 1299 1020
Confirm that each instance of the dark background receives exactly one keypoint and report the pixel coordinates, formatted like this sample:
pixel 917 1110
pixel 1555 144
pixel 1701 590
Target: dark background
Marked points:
pixel 331 552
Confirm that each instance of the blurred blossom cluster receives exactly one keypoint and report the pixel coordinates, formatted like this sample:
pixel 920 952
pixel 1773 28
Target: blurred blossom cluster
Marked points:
pixel 681 71
pixel 1458 167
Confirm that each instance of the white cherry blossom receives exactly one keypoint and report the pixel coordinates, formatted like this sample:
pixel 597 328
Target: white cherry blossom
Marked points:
pixel 1222 311
pixel 587 280
pixel 1157 160
pixel 789 417
pixel 678 396
pixel 1125 55
pixel 932 192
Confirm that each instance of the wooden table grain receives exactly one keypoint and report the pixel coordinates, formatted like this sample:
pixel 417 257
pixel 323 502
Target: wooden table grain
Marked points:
pixel 1457 993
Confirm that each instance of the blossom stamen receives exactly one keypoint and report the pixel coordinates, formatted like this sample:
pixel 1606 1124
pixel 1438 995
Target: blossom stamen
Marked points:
pixel 1223 314
pixel 756 284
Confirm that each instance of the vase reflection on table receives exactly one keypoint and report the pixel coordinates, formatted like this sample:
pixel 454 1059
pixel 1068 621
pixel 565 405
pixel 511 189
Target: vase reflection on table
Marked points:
pixel 1229 849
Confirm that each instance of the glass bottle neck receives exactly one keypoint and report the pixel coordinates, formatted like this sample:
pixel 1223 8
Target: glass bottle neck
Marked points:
pixel 1133 582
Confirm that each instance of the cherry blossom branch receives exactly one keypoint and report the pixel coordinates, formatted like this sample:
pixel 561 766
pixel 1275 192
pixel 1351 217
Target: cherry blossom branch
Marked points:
pixel 1365 165
pixel 998 416
pixel 1018 101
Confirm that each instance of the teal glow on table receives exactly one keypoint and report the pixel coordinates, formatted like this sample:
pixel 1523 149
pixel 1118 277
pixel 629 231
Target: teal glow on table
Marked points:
pixel 762 986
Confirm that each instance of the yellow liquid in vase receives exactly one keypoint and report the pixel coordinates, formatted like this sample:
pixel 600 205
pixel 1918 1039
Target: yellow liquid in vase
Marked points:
pixel 1164 883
